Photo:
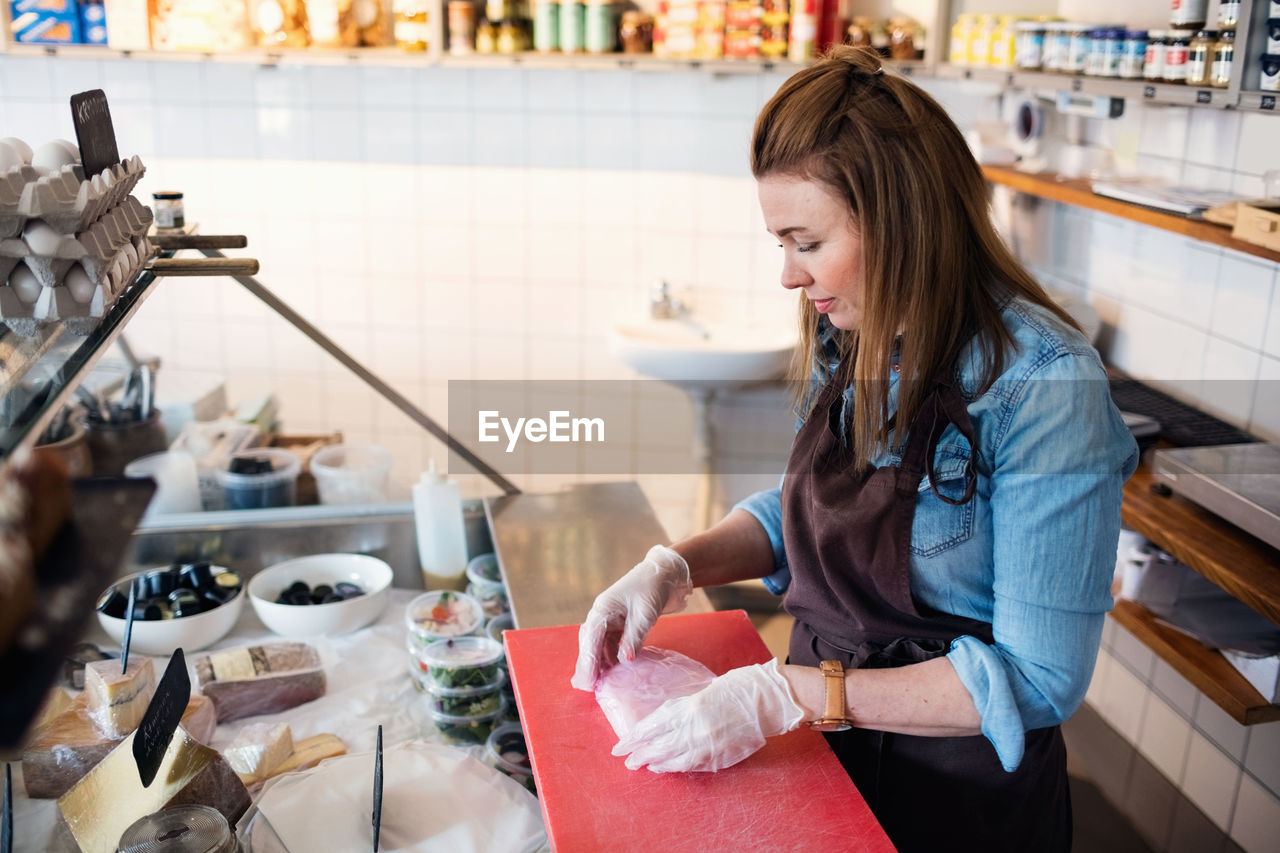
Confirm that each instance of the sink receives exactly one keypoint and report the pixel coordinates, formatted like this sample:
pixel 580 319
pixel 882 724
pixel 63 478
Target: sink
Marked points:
pixel 699 354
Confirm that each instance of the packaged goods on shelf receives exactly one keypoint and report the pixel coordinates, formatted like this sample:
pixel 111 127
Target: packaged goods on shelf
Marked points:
pixel 93 22
pixel 412 24
pixel 45 21
pixel 775 27
pixel 128 24
pixel 674 29
pixel 280 23
pixel 331 23
pixel 204 25
pixel 743 29
pixel 709 31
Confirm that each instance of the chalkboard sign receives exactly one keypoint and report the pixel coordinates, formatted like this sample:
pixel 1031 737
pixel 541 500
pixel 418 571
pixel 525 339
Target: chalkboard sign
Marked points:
pixel 94 131
pixel 151 740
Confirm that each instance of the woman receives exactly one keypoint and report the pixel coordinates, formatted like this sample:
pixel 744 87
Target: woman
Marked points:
pixel 957 569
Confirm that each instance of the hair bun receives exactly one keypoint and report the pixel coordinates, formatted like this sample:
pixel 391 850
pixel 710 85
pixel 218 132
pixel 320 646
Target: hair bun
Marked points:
pixel 859 59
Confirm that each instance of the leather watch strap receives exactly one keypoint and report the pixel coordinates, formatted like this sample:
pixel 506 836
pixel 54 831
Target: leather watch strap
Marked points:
pixel 833 718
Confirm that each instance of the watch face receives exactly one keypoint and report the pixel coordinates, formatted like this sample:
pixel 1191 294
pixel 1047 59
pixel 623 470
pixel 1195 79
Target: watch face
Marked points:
pixel 830 726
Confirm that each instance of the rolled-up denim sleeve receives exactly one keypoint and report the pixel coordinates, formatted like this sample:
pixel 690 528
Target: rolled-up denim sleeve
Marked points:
pixel 766 506
pixel 1058 472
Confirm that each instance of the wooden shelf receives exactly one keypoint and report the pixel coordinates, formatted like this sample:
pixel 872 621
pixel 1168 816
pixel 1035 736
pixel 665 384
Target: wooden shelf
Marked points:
pixel 1243 565
pixel 1207 669
pixel 1075 191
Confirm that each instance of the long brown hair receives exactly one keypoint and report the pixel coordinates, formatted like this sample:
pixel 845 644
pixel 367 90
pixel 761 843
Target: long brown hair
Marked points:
pixel 934 265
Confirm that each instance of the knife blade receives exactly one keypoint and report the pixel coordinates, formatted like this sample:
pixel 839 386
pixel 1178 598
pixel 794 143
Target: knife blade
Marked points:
pixel 128 625
pixel 377 792
pixel 6 818
pixel 161 718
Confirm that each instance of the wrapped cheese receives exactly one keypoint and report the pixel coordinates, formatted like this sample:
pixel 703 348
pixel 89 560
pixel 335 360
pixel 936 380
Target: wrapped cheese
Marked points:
pixel 117 700
pixel 267 679
pixel 71 745
pixel 101 806
pixel 259 749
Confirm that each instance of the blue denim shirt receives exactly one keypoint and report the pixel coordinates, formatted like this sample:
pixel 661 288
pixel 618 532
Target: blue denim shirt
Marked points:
pixel 1033 553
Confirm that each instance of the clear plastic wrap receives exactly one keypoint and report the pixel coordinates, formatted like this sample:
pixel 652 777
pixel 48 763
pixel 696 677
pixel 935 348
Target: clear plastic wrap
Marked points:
pixel 630 691
pixel 259 749
pixel 265 679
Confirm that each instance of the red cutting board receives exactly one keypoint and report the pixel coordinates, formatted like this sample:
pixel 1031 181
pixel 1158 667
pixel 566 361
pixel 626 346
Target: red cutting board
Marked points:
pixel 792 795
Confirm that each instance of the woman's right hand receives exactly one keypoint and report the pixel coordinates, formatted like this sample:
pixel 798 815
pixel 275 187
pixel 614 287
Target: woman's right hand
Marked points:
pixel 622 615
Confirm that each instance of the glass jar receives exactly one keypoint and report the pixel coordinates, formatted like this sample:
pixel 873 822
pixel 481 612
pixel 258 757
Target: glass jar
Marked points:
pixel 1269 73
pixel 1175 56
pixel 462 27
pixel 411 29
pixel 546 26
pixel 1028 50
pixel 1153 61
pixel 510 37
pixel 902 39
pixel 1133 52
pixel 1224 57
pixel 1078 45
pixel 573 26
pixel 486 37
pixel 168 209
pixel 1188 14
pixel 1228 14
pixel 1273 36
pixel 636 32
pixel 859 33
pixel 1200 58
pixel 599 27
pixel 961 32
pixel 1004 38
pixel 1057 43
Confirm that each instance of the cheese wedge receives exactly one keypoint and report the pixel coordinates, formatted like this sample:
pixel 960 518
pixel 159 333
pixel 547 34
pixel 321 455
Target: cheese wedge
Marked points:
pixel 118 700
pixel 101 806
pixel 259 749
pixel 63 750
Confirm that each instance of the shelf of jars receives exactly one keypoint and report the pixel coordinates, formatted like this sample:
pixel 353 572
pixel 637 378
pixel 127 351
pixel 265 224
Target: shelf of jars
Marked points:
pixel 1111 87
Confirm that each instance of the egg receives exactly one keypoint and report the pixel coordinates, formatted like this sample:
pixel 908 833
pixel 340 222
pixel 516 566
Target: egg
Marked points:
pixel 72 148
pixel 23 149
pixel 41 238
pixel 25 284
pixel 131 256
pixel 9 157
pixel 52 156
pixel 80 285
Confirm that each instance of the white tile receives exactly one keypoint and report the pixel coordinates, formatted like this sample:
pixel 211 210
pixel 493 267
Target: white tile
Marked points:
pixel 388 86
pixel 501 196
pixel 1265 418
pixel 73 75
pixel 447 251
pixel 1189 294
pixel 333 86
pixel 175 81
pixel 667 143
pixel 389 136
pixel 609 141
pixel 448 194
pixel 504 258
pixel 395 303
pixel 233 131
pixel 282 85
pixel 180 131
pixel 1165 738
pixel 348 406
pixel 445 138
pixel 340 246
pixel 608 197
pixel 554 141
pixel 665 200
pixel 248 346
pixel 501 139
pixel 492 362
pixel 608 92
pixel 446 356
pixel 555 255
pixel 201 344
pixel 1221 728
pixel 26 77
pixel 229 82
pixel 1271 342
pixel 555 196
pixel 1126 698
pixel 1213 137
pixel 499 89
pixel 1243 300
pixel 731 95
pixel 724 205
pixel 1164 132
pixel 555 309
pixel 336 133
pixel 665 94
pixel 609 257
pixel 1230 373
pixel 667 255
pixel 553 358
pixel 397 355
pixel 1150 346
pixel 1256 824
pixel 126 81
pixel 392 191
pixel 556 90
pixel 392 248
pixel 343 300
pixel 444 88
pixel 1259 141
pixel 283 132
pixel 723 262
pixel 1211 780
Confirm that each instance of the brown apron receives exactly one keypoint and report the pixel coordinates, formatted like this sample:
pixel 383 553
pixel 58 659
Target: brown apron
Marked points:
pixel 848 538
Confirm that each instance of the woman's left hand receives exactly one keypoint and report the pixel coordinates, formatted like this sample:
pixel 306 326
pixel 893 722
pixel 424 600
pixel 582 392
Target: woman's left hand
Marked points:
pixel 716 727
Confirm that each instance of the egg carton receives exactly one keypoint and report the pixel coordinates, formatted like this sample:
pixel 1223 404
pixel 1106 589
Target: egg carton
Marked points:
pixel 12 183
pixel 50 254
pixel 69 203
pixel 80 308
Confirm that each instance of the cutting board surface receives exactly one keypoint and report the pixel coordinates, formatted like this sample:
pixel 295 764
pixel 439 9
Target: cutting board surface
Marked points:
pixel 792 795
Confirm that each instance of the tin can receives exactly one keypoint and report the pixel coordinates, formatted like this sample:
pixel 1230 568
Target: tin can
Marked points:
pixel 462 27
pixel 599 30
pixel 546 26
pixel 1029 47
pixel 573 26
pixel 1132 54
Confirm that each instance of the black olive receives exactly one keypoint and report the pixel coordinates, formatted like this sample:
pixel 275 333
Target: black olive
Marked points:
pixel 348 590
pixel 296 597
pixel 331 598
pixel 299 586
pixel 322 591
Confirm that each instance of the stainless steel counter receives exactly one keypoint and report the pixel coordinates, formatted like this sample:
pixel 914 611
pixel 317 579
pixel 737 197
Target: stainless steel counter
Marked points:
pixel 559 551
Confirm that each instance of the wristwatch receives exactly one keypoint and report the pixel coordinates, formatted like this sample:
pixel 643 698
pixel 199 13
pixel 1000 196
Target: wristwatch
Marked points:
pixel 833 718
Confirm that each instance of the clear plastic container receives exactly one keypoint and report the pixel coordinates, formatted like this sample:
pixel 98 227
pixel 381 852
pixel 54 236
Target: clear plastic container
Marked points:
pixel 277 487
pixel 506 752
pixel 352 473
pixel 462 662
pixel 440 615
pixel 498 624
pixel 492 597
pixel 458 701
pixel 468 729
pixel 484 570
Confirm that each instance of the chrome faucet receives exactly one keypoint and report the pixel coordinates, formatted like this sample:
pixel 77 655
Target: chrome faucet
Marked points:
pixel 662 305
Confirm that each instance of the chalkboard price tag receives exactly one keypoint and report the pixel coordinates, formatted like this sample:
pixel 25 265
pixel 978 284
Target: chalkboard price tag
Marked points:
pixel 1203 97
pixel 151 740
pixel 1148 91
pixel 1268 102
pixel 94 131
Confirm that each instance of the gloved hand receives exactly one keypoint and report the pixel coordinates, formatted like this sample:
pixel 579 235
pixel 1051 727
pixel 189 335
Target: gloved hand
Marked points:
pixel 716 727
pixel 623 614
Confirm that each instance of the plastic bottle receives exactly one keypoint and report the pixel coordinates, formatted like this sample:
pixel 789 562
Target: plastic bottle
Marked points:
pixel 442 539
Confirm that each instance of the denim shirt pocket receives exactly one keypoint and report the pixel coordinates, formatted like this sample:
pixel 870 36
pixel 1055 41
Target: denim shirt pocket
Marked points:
pixel 939 525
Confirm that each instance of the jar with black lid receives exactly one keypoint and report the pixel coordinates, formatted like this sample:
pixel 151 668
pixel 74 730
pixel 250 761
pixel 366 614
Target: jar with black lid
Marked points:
pixel 1224 55
pixel 1175 57
pixel 168 209
pixel 1228 14
pixel 1200 58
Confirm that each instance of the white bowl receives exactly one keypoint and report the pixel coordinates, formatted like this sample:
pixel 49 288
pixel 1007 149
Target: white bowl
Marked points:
pixel 189 633
pixel 315 620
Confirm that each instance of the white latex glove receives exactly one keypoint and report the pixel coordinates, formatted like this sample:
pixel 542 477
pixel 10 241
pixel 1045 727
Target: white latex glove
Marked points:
pixel 716 727
pixel 623 614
